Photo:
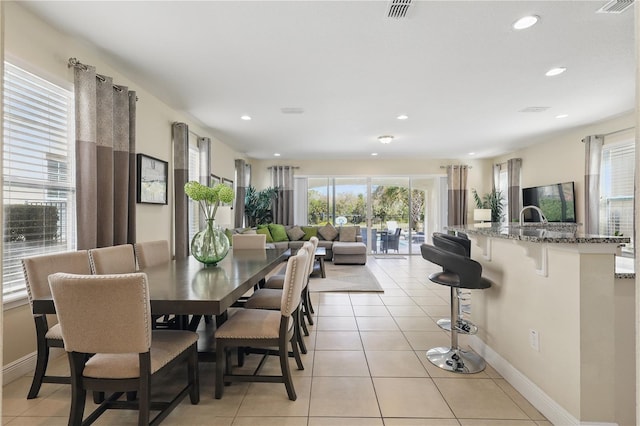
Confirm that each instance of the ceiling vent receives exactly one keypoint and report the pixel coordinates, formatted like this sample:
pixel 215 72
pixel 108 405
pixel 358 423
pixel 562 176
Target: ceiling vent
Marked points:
pixel 534 109
pixel 292 110
pixel 398 8
pixel 616 6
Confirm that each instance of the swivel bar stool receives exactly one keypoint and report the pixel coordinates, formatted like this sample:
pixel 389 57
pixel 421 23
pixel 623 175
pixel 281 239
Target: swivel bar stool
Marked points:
pixel 458 271
pixel 460 245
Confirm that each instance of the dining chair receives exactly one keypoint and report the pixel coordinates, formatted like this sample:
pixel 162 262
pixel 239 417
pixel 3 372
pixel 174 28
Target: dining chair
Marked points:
pixel 269 298
pixel 105 322
pixel 113 260
pixel 259 328
pixel 249 241
pixel 152 253
pixel 392 241
pixel 36 272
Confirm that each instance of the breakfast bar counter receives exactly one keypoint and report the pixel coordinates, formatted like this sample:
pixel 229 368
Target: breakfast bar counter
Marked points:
pixel 557 323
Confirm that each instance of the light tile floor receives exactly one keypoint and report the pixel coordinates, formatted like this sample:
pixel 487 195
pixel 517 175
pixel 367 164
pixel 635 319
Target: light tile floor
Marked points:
pixel 366 366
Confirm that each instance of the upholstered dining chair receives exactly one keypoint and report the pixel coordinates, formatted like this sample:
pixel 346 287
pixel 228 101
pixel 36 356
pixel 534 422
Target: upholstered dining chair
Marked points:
pixel 248 241
pixel 152 253
pixel 269 298
pixel 113 260
pixel 36 272
pixel 105 322
pixel 258 328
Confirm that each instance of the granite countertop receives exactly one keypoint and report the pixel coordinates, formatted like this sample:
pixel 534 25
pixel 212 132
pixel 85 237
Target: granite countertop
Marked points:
pixel 539 233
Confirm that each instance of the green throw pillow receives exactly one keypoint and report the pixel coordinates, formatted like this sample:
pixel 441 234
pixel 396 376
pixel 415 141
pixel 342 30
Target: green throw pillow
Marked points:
pixel 229 233
pixel 309 231
pixel 278 232
pixel 265 231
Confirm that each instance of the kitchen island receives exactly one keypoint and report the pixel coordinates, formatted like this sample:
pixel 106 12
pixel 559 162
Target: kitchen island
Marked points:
pixel 557 323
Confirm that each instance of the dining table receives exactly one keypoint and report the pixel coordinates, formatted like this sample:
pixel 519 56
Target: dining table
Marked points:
pixel 186 287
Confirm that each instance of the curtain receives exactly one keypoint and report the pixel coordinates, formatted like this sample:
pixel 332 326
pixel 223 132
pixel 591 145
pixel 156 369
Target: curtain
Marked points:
pixel 457 194
pixel 180 178
pixel 105 166
pixel 496 176
pixel 243 180
pixel 204 157
pixel 514 197
pixel 282 178
pixel 593 154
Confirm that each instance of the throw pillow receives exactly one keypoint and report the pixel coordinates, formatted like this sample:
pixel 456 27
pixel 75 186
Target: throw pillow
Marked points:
pixel 229 233
pixel 295 233
pixel 266 232
pixel 348 234
pixel 309 231
pixel 278 232
pixel 328 232
pixel 248 231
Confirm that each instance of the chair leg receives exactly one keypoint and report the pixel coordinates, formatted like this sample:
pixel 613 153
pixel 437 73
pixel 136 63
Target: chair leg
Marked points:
pixel 284 367
pixel 41 368
pixel 194 376
pixel 298 336
pixel 306 303
pixel 221 358
pixel 78 393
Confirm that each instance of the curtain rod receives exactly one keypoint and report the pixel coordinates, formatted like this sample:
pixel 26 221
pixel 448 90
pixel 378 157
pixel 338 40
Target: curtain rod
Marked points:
pixel 73 62
pixel 457 165
pixel 618 131
pixel 292 167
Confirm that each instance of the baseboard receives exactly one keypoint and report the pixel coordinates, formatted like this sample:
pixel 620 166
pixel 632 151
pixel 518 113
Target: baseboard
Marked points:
pixel 18 368
pixel 553 411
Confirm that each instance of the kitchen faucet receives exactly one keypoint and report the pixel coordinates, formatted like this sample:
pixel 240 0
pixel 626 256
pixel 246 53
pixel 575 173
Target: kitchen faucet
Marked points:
pixel 542 218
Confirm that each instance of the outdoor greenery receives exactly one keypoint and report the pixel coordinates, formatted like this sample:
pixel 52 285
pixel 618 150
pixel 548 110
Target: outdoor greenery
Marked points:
pixel 258 205
pixel 25 222
pixel 492 200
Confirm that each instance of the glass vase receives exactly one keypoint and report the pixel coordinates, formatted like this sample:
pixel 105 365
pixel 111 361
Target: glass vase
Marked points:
pixel 210 245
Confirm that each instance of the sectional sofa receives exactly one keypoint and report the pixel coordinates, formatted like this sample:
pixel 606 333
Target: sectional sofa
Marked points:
pixel 343 244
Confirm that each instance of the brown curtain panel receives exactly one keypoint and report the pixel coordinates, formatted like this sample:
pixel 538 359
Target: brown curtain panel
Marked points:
pixel 514 198
pixel 593 157
pixel 282 178
pixel 457 194
pixel 180 177
pixel 105 166
pixel 243 180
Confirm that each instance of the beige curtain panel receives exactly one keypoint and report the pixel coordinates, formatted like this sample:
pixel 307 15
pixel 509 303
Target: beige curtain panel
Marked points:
pixel 457 194
pixel 593 156
pixel 282 177
pixel 180 178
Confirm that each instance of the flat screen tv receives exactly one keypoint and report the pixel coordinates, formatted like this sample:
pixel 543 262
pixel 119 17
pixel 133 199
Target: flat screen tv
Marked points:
pixel 557 202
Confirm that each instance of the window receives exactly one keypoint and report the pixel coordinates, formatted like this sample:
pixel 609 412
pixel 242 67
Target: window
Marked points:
pixel 616 191
pixel 194 174
pixel 39 187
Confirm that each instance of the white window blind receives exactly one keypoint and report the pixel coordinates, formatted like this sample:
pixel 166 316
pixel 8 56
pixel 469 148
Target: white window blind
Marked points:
pixel 39 184
pixel 194 174
pixel 616 190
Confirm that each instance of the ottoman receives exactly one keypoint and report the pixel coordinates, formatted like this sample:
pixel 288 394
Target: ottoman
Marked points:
pixel 349 253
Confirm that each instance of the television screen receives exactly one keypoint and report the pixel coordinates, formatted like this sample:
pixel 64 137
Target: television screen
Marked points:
pixel 557 202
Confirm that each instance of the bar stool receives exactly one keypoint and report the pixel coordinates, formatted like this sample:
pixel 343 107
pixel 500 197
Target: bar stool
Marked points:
pixel 459 244
pixel 458 271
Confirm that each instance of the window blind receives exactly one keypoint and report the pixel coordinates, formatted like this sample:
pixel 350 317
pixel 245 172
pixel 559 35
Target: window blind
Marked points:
pixel 38 173
pixel 194 174
pixel 616 190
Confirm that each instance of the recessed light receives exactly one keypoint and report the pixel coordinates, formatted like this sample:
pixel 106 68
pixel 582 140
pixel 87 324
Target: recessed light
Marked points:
pixel 277 154
pixel 402 117
pixel 526 22
pixel 385 139
pixel 472 153
pixel 374 154
pixel 555 71
pixel 562 116
pixel 245 117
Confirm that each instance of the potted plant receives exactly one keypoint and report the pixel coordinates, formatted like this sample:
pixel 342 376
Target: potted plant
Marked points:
pixel 211 244
pixel 257 205
pixel 492 200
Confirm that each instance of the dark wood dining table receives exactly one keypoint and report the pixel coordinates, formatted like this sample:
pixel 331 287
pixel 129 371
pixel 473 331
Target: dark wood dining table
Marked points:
pixel 187 287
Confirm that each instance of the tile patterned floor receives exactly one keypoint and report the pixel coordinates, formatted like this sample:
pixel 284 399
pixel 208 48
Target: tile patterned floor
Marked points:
pixel 365 367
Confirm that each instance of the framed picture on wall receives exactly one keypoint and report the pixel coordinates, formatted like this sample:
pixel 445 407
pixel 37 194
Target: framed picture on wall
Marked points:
pixel 229 183
pixel 152 180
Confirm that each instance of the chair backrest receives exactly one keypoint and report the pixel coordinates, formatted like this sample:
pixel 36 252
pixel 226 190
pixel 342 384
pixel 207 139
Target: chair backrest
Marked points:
pixel 452 243
pixel 469 271
pixel 103 313
pixel 113 260
pixel 249 241
pixel 152 253
pixel 294 279
pixel 37 269
pixel 308 246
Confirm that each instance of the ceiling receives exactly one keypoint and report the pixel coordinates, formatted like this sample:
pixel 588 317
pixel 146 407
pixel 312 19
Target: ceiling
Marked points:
pixel 457 69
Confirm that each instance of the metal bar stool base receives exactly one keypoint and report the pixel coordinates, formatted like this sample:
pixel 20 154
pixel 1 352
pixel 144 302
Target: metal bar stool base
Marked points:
pixel 464 326
pixel 456 360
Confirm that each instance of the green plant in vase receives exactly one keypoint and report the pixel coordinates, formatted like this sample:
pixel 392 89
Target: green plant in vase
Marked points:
pixel 492 200
pixel 210 245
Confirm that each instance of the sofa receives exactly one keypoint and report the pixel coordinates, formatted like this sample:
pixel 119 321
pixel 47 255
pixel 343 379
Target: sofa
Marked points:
pixel 343 244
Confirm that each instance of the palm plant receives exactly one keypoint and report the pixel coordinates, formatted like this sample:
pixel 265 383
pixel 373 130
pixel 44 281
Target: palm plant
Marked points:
pixel 257 205
pixel 492 200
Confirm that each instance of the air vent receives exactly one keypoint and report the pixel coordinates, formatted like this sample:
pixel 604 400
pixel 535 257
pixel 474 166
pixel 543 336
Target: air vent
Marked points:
pixel 292 110
pixel 534 109
pixel 398 8
pixel 615 6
